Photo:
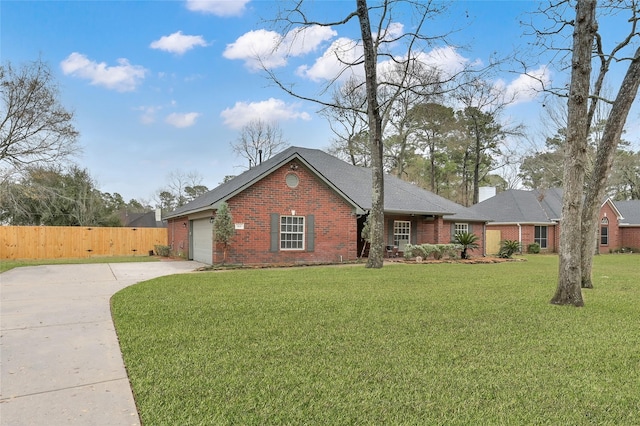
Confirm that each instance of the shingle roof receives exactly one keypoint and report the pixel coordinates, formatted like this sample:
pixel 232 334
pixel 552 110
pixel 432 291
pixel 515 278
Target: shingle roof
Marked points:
pixel 142 220
pixel 542 206
pixel 630 211
pixel 351 182
pixel 521 206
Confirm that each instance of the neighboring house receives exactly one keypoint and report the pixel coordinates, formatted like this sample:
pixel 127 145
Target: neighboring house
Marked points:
pixel 152 219
pixel 630 224
pixel 306 206
pixel 534 217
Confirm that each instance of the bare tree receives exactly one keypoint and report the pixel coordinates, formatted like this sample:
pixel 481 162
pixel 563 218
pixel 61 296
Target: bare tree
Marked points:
pixel 569 278
pixel 182 187
pixel 348 123
pixel 376 216
pixel 597 183
pixel 34 126
pixel 376 42
pixel 259 141
pixel 583 233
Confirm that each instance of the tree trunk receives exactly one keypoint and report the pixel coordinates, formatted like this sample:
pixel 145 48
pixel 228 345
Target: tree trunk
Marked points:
pixel 432 177
pixel 476 168
pixel 569 290
pixel 376 250
pixel 604 161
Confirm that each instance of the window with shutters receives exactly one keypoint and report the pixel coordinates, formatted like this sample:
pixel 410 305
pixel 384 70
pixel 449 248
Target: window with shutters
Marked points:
pixel 461 228
pixel 291 232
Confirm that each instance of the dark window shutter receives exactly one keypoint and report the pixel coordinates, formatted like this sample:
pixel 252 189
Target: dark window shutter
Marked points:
pixel 414 232
pixel 311 234
pixel 470 226
pixel 390 236
pixel 453 231
pixel 275 232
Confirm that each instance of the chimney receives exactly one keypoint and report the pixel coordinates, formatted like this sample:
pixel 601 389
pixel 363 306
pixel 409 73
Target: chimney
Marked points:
pixel 486 192
pixel 260 155
pixel 158 215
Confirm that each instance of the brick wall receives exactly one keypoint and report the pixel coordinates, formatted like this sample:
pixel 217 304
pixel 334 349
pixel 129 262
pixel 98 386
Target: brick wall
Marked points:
pixel 335 225
pixel 178 236
pixel 433 231
pixel 526 235
pixel 614 242
pixel 630 238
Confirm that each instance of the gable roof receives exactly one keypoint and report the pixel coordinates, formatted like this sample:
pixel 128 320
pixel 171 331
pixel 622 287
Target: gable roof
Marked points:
pixel 544 206
pixel 630 211
pixel 352 183
pixel 523 206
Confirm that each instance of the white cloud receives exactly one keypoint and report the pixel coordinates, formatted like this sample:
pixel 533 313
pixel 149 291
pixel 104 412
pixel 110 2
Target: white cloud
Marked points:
pixel 445 59
pixel 256 48
pixel 526 87
pixel 332 62
pixel 344 50
pixel 123 77
pixel 303 40
pixel 178 43
pixel 218 7
pixel 181 120
pixel 393 31
pixel 260 48
pixel 270 110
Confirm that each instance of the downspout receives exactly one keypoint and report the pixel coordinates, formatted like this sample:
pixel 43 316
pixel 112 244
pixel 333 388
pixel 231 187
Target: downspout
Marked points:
pixel 484 239
pixel 520 236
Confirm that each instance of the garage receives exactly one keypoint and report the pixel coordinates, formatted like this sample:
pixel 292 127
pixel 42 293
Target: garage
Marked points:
pixel 202 240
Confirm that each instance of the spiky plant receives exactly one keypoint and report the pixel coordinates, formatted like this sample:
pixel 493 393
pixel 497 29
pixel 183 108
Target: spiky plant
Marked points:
pixel 467 240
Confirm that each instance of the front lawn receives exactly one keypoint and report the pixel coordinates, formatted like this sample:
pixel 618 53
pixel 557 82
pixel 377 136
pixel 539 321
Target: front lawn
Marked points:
pixel 407 344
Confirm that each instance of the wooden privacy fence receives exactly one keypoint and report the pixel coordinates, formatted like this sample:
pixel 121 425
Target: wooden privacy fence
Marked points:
pixel 59 242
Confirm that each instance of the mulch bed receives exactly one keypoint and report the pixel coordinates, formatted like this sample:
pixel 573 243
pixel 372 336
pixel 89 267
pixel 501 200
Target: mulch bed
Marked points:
pixel 472 261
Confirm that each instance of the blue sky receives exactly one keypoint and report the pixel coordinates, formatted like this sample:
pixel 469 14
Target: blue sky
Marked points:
pixel 160 86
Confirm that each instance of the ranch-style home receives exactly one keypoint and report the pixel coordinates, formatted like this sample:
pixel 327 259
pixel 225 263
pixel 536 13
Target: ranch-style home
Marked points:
pixel 306 206
pixel 534 216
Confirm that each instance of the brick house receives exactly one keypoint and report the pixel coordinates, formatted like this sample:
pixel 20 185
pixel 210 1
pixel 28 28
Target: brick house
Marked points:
pixel 534 216
pixel 306 206
pixel 629 225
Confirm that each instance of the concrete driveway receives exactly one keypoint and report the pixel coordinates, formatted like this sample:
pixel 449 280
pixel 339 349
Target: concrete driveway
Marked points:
pixel 61 362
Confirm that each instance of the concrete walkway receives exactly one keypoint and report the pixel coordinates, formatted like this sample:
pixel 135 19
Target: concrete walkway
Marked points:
pixel 61 362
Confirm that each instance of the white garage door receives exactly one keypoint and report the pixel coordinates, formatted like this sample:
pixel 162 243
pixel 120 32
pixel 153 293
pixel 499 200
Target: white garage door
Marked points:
pixel 202 237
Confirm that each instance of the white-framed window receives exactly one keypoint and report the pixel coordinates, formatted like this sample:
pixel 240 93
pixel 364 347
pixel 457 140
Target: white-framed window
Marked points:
pixel 460 228
pixel 401 233
pixel 291 232
pixel 540 236
pixel 604 232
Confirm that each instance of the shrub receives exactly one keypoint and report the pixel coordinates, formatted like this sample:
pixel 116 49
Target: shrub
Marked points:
pixel 533 248
pixel 450 250
pixel 468 241
pixel 435 250
pixel 508 248
pixel 409 251
pixel 162 250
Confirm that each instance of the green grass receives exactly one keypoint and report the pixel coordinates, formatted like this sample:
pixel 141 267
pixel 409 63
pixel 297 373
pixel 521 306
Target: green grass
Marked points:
pixel 407 344
pixel 5 265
